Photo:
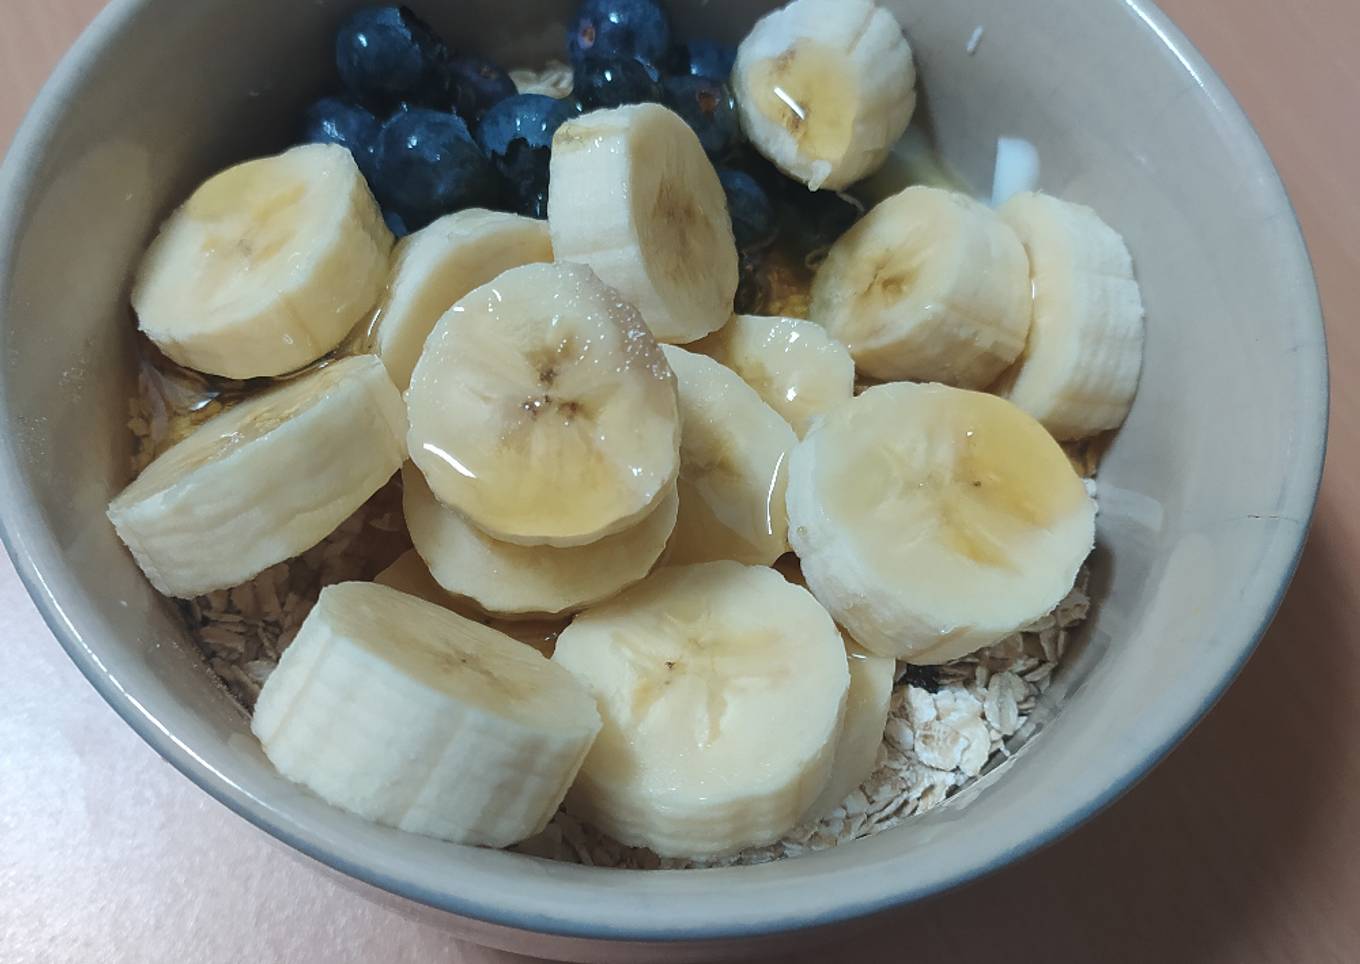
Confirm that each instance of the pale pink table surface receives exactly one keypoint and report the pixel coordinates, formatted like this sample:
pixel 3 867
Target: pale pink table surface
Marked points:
pixel 1243 847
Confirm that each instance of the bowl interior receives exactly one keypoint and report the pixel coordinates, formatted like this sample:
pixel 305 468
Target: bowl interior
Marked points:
pixel 1205 495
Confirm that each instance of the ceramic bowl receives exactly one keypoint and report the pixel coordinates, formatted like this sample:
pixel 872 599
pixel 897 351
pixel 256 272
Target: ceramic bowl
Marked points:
pixel 1205 496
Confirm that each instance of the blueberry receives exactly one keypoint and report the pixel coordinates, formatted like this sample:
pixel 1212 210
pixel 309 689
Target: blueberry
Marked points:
pixel 396 224
pixel 516 135
pixel 613 83
pixel 388 54
pixel 428 165
pixel 815 219
pixel 335 120
pixel 753 220
pixel 708 106
pixel 478 85
pixel 619 29
pixel 708 58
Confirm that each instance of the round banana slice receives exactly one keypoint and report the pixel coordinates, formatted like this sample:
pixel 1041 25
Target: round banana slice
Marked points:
pixel 1081 363
pixel 410 575
pixel 438 265
pixel 265 480
pixel 930 285
pixel 825 89
pixel 795 366
pixel 734 453
pixel 267 266
pixel 409 715
pixel 543 410
pixel 635 197
pixel 933 521
pixel 512 580
pixel 722 688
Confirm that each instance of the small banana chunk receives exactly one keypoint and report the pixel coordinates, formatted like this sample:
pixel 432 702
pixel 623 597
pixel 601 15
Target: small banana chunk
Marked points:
pixel 410 575
pixel 722 689
pixel 267 266
pixel 543 410
pixel 734 453
pixel 795 366
pixel 933 521
pixel 1080 367
pixel 866 716
pixel 825 89
pixel 265 480
pixel 438 265
pixel 512 580
pixel 636 198
pixel 930 285
pixel 409 715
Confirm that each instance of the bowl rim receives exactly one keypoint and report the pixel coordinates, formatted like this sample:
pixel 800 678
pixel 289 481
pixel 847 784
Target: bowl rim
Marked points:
pixel 19 530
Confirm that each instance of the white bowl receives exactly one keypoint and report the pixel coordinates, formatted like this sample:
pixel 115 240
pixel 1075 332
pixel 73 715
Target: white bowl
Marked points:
pixel 1205 496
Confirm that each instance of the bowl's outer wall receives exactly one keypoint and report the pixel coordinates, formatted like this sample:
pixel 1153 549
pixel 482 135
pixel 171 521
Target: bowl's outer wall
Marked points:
pixel 1205 496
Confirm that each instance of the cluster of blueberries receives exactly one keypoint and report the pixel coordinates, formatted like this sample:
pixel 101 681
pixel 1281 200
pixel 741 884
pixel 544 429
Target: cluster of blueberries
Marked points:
pixel 435 132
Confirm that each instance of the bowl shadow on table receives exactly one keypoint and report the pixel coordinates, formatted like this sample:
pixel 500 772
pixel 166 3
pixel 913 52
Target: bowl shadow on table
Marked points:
pixel 1194 863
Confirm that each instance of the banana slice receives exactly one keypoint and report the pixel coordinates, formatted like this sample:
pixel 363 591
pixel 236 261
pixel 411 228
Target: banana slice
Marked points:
pixel 825 89
pixel 438 265
pixel 866 717
pixel 795 366
pixel 267 266
pixel 722 689
pixel 409 715
pixel 930 285
pixel 1080 367
pixel 543 410
pixel 933 521
pixel 265 480
pixel 516 580
pixel 410 575
pixel 734 453
pixel 636 198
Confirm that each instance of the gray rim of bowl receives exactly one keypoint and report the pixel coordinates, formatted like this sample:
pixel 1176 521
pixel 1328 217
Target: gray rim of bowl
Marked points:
pixel 18 530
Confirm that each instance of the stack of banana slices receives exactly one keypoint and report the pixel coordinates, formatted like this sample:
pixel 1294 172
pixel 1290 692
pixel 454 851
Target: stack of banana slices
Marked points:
pixel 604 471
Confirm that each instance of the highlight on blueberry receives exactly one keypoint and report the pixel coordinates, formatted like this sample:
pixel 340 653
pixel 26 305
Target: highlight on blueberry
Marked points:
pixel 516 134
pixel 708 106
pixel 602 83
pixel 708 58
pixel 428 165
pixel 387 54
pixel 336 120
pixel 619 29
pixel 478 86
pixel 753 216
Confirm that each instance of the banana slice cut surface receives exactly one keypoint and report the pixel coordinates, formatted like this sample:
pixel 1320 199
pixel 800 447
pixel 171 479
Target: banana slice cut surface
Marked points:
pixel 1080 367
pixel 507 579
pixel 409 715
pixel 722 689
pixel 825 89
pixel 439 264
pixel 734 452
pixel 933 521
pixel 267 266
pixel 543 409
pixel 930 285
pixel 264 481
pixel 636 198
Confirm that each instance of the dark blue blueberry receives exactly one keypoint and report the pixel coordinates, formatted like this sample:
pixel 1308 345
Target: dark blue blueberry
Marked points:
pixel 708 106
pixel 753 218
pixel 613 83
pixel 517 135
pixel 388 54
pixel 428 165
pixel 815 219
pixel 334 120
pixel 707 58
pixel 478 85
pixel 619 29
pixel 396 224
